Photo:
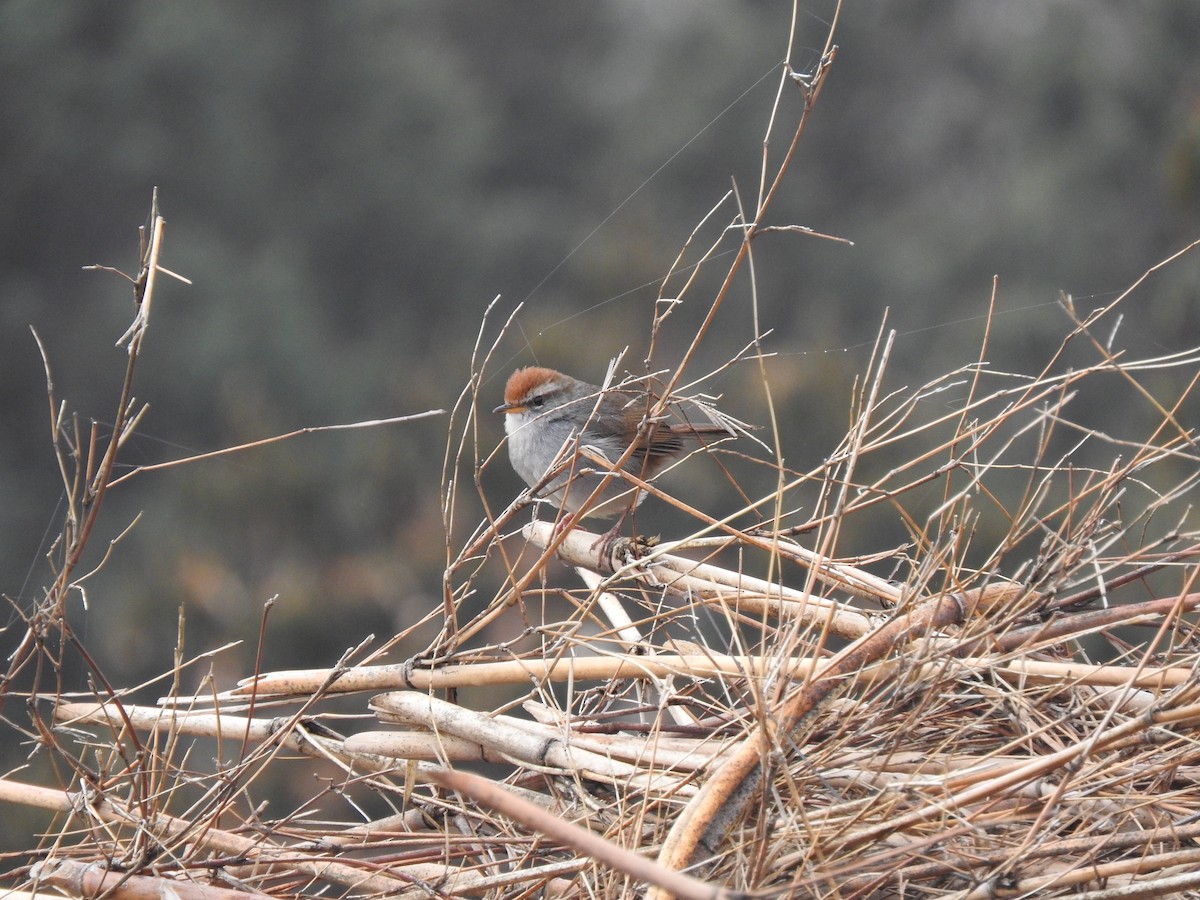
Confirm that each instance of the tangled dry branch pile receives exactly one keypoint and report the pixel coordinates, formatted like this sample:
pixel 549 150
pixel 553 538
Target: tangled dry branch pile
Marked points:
pixel 744 704
pixel 1002 702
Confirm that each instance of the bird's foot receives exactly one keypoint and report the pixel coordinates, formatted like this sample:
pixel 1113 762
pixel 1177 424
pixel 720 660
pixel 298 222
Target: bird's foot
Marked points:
pixel 619 551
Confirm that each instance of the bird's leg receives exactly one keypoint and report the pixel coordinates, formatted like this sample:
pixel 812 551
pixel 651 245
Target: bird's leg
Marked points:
pixel 563 524
pixel 605 541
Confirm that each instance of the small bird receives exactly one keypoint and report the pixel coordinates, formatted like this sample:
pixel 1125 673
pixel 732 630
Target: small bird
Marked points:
pixel 547 412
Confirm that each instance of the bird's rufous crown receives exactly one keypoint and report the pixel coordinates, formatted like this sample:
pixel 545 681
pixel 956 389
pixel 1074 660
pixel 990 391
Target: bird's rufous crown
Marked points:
pixel 522 381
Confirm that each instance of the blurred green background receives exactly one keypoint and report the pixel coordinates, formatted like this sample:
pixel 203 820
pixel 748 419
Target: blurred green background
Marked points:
pixel 349 185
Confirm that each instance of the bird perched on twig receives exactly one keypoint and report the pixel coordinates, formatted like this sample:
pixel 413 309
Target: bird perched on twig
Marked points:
pixel 549 414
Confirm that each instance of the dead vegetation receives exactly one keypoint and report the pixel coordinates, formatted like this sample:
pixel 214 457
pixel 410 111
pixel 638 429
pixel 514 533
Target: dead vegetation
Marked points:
pixel 1002 704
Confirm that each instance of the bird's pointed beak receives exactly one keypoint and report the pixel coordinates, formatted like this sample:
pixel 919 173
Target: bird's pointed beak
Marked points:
pixel 509 408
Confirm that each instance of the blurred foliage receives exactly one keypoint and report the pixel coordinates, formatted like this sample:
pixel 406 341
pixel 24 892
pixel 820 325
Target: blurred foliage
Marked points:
pixel 349 185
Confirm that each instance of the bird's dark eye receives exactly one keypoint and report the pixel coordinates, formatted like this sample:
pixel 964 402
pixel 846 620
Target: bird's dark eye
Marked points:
pixel 537 402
